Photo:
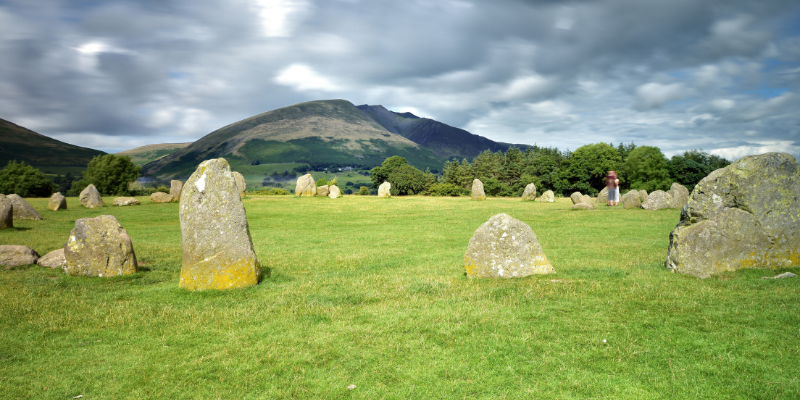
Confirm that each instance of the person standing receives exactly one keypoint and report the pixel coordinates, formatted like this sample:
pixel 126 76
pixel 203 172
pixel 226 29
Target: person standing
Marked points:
pixel 612 184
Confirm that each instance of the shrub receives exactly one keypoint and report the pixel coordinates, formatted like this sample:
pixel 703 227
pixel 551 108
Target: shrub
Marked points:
pixel 447 189
pixel 24 180
pixel 322 182
pixel 110 174
pixel 364 191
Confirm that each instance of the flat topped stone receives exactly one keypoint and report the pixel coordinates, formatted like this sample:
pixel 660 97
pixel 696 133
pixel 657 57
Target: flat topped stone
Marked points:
pixel 632 199
pixel 746 215
pixel 100 247
pixel 385 190
pixel 306 187
pixel 126 201
pixel 175 188
pixel 161 197
pixel 477 190
pixel 657 200
pixel 548 197
pixel 6 212
pixel 504 247
pixel 23 210
pixel 241 185
pixel 57 202
pixel 529 194
pixel 323 190
pixel 14 256
pixel 90 197
pixel 217 247
pixel 582 206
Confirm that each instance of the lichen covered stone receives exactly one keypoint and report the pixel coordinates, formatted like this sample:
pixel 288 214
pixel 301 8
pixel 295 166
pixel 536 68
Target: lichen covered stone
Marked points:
pixel 217 247
pixel 241 185
pixel 631 199
pixel 90 197
pixel 679 194
pixel 99 246
pixel 602 197
pixel 385 190
pixel 23 210
pixel 334 192
pixel 529 194
pixel 657 200
pixel 576 197
pixel 746 215
pixel 57 202
pixel 14 256
pixel 504 247
pixel 6 212
pixel 125 201
pixel 306 187
pixel 548 197
pixel 477 190
pixel 161 197
pixel 322 191
pixel 54 259
pixel 582 206
pixel 175 188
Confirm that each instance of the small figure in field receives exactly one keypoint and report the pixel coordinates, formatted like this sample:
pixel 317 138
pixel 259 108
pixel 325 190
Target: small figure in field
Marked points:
pixel 612 183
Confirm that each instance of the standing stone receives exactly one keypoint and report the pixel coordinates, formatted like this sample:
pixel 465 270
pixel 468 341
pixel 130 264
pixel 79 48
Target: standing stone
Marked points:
pixel 57 202
pixel 586 199
pixel 504 247
pixel 54 259
pixel 334 192
pixel 23 210
pixel 322 191
pixel 548 197
pixel 217 247
pixel 576 197
pixel 657 200
pixel 6 213
pixel 643 195
pixel 14 256
pixel 679 194
pixel 99 247
pixel 161 197
pixel 126 201
pixel 385 190
pixel 90 197
pixel 306 187
pixel 631 200
pixel 241 185
pixel 175 188
pixel 477 190
pixel 530 193
pixel 602 197
pixel 746 215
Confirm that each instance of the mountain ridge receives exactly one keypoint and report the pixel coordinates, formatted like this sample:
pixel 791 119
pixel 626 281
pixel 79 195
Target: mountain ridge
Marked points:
pixel 33 148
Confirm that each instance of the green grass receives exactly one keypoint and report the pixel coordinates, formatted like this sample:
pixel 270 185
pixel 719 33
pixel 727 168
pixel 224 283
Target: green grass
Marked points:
pixel 372 292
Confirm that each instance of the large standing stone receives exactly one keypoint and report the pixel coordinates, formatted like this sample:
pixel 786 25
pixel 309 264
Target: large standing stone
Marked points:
pixel 529 194
pixel 23 210
pixel 54 259
pixel 602 197
pixel 306 187
pixel 679 194
pixel 504 247
pixel 126 201
pixel 14 256
pixel 548 197
pixel 241 185
pixel 657 201
pixel 6 213
pixel 57 202
pixel 99 246
pixel 746 215
pixel 90 197
pixel 334 192
pixel 175 188
pixel 161 197
pixel 477 190
pixel 217 247
pixel 631 200
pixel 576 197
pixel 322 191
pixel 385 190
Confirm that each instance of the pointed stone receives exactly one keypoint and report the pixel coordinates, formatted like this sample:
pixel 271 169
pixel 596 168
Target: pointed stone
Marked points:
pixel 175 187
pixel 385 190
pixel 23 210
pixel 477 190
pixel 241 185
pixel 529 194
pixel 90 197
pixel 306 187
pixel 548 197
pixel 6 212
pixel 505 247
pixel 57 202
pixel 334 192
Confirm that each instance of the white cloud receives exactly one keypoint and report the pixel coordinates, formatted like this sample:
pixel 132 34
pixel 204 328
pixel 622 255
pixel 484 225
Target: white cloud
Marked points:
pixel 301 77
pixel 652 95
pixel 734 153
pixel 278 16
pixel 722 104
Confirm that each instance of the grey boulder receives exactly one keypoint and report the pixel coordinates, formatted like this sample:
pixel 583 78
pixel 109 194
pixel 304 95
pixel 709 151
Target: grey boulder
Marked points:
pixel 23 210
pixel 14 256
pixel 505 247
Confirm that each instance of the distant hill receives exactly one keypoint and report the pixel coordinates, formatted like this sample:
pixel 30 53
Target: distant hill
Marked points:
pixel 315 131
pixel 444 140
pixel 151 152
pixel 22 144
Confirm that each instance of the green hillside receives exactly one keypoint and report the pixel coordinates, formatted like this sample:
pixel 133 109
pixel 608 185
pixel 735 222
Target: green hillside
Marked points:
pixel 151 152
pixel 22 144
pixel 315 131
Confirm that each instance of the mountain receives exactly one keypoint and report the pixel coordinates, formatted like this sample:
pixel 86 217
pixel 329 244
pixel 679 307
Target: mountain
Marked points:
pixel 151 152
pixel 22 144
pixel 319 131
pixel 444 140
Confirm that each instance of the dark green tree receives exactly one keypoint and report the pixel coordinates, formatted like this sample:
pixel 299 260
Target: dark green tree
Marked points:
pixel 702 157
pixel 110 174
pixel 406 180
pixel 646 168
pixel 24 180
pixel 586 169
pixel 687 172
pixel 380 174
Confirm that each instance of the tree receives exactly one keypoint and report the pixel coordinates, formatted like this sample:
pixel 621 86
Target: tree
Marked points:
pixel 110 174
pixel 646 168
pixel 24 180
pixel 364 191
pixel 406 180
pixel 585 169
pixel 380 174
pixel 702 157
pixel 687 172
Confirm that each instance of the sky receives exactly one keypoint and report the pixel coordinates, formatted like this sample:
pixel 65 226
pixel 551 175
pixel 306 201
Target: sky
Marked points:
pixel 722 76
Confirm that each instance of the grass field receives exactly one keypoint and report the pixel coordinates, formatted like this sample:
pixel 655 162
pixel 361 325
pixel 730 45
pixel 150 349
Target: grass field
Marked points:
pixel 372 292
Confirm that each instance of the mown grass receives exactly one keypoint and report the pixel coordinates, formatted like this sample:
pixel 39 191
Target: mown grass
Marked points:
pixel 372 292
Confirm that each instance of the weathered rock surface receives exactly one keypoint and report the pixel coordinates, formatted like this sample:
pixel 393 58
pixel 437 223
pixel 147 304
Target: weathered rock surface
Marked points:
pixel 632 199
pixel 746 215
pixel 477 190
pixel 548 197
pixel 161 197
pixel 602 197
pixel 241 185
pixel 529 194
pixel 6 212
pixel 657 200
pixel 99 246
pixel 175 188
pixel 54 259
pixel 334 192
pixel 780 276
pixel 586 199
pixel 217 247
pixel 57 202
pixel 576 197
pixel 322 190
pixel 127 201
pixel 504 247
pixel 679 194
pixel 90 197
pixel 14 256
pixel 385 190
pixel 582 206
pixel 23 210
pixel 643 195
pixel 306 187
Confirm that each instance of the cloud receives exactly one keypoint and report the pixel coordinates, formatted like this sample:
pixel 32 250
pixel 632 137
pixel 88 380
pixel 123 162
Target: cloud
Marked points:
pixel 652 95
pixel 301 77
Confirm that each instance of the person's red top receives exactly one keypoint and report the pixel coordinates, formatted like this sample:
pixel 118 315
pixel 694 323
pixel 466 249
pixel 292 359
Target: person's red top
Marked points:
pixel 611 181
